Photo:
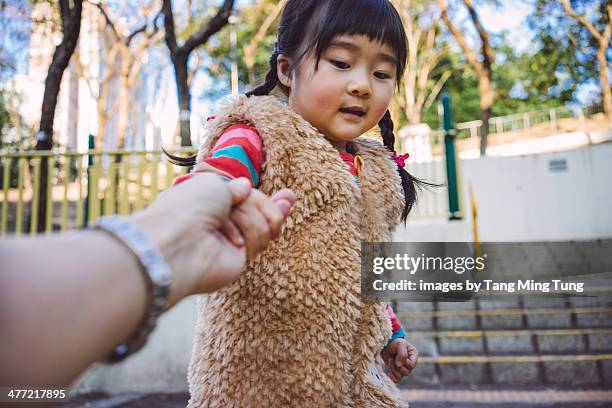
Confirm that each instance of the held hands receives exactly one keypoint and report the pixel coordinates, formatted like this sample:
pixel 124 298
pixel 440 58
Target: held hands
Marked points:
pixel 256 221
pixel 206 228
pixel 401 357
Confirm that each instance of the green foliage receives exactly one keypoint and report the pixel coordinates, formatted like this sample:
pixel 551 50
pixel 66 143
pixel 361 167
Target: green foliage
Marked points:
pixel 10 133
pixel 4 116
pixel 566 55
pixel 561 57
pixel 249 20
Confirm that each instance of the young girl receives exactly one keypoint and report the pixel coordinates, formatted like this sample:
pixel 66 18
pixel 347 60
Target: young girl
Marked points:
pixel 293 330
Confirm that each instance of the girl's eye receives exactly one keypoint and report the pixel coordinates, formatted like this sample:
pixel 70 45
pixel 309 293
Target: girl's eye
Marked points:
pixel 340 64
pixel 382 75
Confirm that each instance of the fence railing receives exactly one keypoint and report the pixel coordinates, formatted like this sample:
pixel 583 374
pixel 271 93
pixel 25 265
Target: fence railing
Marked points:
pixel 432 202
pixel 84 186
pixel 80 186
pixel 513 123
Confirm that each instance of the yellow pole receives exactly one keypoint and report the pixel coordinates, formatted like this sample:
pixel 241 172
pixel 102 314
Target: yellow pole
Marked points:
pixel 125 197
pixel 19 216
pixel 6 180
pixel 140 196
pixel 80 204
pixel 51 165
pixel 64 217
pixel 154 174
pixel 474 222
pixel 109 192
pixel 35 198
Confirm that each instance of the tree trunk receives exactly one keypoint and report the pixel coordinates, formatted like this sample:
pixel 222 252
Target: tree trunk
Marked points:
pixel 487 97
pixel 71 27
pixel 180 55
pixel 102 119
pixel 124 99
pixel 604 80
pixel 184 95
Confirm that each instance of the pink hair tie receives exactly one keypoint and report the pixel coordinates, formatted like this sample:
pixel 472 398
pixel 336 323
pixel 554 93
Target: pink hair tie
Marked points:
pixel 208 119
pixel 401 159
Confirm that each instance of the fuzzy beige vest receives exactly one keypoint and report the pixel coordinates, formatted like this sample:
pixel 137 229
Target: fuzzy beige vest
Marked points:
pixel 293 330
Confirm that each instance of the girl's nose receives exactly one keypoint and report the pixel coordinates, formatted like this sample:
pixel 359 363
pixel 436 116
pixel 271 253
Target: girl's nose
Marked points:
pixel 360 86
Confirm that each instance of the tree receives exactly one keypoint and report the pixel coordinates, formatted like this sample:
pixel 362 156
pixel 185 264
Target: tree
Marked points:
pixel 15 19
pixel 179 54
pixel 130 62
pixel 602 36
pixel 70 15
pixel 250 49
pixel 481 63
pixel 256 30
pixel 419 89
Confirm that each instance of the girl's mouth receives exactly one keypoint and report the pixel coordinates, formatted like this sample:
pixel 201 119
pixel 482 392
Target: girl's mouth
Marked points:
pixel 357 112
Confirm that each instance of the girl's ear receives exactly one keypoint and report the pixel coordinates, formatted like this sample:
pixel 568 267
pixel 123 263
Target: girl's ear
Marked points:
pixel 283 70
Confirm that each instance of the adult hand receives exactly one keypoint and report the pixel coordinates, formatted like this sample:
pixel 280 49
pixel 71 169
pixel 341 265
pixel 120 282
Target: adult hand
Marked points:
pixel 252 216
pixel 98 274
pixel 190 224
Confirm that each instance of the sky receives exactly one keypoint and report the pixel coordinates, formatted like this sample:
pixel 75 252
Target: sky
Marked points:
pixel 510 16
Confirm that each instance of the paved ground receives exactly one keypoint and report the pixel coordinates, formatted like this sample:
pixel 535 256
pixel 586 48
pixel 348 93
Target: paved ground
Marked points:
pixel 419 398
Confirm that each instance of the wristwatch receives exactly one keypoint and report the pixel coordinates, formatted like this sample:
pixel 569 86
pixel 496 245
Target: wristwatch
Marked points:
pixel 156 272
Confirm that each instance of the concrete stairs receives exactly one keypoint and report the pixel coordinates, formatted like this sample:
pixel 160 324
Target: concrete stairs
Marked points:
pixel 511 343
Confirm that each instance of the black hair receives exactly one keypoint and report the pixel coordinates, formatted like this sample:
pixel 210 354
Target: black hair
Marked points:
pixel 308 25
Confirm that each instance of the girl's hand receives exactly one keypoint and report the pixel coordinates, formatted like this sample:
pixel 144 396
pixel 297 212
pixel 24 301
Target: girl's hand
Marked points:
pixel 401 357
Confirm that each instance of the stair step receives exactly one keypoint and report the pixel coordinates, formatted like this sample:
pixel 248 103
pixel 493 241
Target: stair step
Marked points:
pixel 546 396
pixel 517 370
pixel 511 318
pixel 540 358
pixel 503 312
pixel 494 333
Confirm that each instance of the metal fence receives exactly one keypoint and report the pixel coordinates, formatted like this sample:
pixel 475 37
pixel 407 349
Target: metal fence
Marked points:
pixel 84 186
pixel 432 202
pixel 514 123
pixel 80 186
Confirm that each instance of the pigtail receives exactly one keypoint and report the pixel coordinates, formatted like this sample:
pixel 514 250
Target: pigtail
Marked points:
pixel 271 77
pixel 180 161
pixel 409 182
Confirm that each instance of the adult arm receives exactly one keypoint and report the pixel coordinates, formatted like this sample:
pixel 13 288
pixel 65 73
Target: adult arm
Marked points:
pixel 66 300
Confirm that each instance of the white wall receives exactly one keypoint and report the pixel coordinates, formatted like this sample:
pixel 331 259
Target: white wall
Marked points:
pixel 520 199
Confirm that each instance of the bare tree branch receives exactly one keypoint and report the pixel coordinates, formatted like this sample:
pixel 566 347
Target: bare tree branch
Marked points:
pixel 603 39
pixel 250 50
pixel 133 34
pixel 169 26
pixel 64 8
pixel 180 55
pixel 108 20
pixel 583 21
pixel 469 53
pixel 436 90
pixel 484 37
pixel 213 26
pixel 483 68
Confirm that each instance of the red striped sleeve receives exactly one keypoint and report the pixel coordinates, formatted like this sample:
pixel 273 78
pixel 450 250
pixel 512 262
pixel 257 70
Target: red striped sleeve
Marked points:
pixel 395 324
pixel 236 137
pixel 246 138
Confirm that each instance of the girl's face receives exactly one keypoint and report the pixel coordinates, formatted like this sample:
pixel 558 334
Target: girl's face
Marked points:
pixel 349 92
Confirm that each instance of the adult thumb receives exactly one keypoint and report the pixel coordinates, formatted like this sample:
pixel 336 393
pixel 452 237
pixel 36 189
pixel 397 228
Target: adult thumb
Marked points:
pixel 239 189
